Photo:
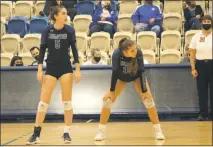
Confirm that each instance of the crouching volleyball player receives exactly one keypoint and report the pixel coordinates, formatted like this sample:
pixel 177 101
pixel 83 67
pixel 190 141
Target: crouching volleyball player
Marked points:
pixel 57 38
pixel 128 66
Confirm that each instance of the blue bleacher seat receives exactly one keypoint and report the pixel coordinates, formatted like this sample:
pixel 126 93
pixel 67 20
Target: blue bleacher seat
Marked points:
pixel 85 7
pixel 38 23
pixel 18 25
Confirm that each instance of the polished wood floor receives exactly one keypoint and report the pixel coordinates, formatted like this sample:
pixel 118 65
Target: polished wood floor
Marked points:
pixel 118 133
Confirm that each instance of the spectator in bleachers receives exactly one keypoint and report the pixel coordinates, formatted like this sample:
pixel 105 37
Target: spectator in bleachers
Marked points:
pixel 104 19
pixel 16 61
pixel 147 17
pixel 68 4
pixel 35 54
pixel 192 14
pixel 96 58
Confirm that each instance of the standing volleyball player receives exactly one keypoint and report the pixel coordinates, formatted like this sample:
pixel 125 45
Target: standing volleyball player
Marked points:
pixel 57 38
pixel 128 66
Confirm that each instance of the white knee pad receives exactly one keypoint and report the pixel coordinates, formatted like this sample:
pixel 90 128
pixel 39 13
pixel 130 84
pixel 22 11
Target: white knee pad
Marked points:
pixel 67 105
pixel 149 103
pixel 107 103
pixel 42 107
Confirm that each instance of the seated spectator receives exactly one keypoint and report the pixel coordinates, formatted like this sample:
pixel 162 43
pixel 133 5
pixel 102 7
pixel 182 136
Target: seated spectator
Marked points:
pixel 192 14
pixel 147 17
pixel 16 61
pixel 35 54
pixel 68 4
pixel 104 19
pixel 96 58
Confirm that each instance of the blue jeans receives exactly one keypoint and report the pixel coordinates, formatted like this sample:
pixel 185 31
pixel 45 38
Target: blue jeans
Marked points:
pixel 142 27
pixel 102 27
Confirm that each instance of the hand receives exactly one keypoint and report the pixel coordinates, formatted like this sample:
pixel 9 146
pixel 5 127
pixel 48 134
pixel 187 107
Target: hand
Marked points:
pixel 198 16
pixel 151 20
pixel 110 95
pixel 194 73
pixel 77 76
pixel 102 18
pixel 40 76
pixel 137 24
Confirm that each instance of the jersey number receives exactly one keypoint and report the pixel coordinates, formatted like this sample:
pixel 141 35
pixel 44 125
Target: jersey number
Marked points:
pixel 125 69
pixel 57 44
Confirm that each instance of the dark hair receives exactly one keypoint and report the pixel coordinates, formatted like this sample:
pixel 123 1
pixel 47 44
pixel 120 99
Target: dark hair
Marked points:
pixel 207 17
pixel 12 63
pixel 32 48
pixel 124 45
pixel 55 10
pixel 93 51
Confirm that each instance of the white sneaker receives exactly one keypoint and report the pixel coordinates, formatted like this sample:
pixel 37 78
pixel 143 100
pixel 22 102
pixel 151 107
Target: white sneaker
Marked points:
pixel 100 135
pixel 158 132
pixel 159 135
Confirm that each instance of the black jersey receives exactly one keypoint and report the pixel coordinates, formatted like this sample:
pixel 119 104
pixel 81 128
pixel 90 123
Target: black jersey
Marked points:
pixel 120 65
pixel 58 43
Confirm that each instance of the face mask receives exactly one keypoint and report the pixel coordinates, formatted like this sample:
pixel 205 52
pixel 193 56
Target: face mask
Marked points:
pixel 149 1
pixel 19 65
pixel 36 57
pixel 206 26
pixel 97 59
pixel 107 7
pixel 192 5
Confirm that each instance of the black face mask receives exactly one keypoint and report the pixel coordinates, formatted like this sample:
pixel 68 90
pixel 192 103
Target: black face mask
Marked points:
pixel 206 26
pixel 36 57
pixel 107 7
pixel 97 59
pixel 19 64
pixel 149 1
pixel 192 5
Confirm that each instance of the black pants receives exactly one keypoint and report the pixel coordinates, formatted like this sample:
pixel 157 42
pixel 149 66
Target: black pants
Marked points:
pixel 102 27
pixel 204 85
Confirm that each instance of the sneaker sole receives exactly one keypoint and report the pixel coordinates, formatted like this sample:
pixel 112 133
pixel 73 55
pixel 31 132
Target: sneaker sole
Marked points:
pixel 66 141
pixel 100 139
pixel 160 138
pixel 31 143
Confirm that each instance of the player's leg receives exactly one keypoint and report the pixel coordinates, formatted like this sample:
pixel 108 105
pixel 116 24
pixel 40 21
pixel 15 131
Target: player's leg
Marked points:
pixel 107 105
pixel 150 105
pixel 66 82
pixel 48 86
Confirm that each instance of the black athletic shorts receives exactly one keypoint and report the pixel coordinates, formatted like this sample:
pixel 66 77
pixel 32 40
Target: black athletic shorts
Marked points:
pixel 57 70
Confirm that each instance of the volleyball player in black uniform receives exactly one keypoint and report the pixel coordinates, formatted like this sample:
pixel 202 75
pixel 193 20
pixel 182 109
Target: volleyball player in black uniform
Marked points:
pixel 128 66
pixel 57 38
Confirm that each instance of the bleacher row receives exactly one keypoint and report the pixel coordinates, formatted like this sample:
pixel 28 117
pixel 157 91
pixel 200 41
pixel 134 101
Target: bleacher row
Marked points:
pixel 170 49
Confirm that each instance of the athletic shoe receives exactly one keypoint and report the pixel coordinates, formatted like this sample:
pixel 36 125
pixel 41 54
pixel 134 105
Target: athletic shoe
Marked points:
pixel 34 139
pixel 100 135
pixel 67 138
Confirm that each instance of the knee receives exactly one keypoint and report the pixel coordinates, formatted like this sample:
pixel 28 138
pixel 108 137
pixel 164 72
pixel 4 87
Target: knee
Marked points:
pixel 94 29
pixel 138 29
pixel 156 29
pixel 108 28
pixel 107 103
pixel 149 103
pixel 42 107
pixel 67 105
